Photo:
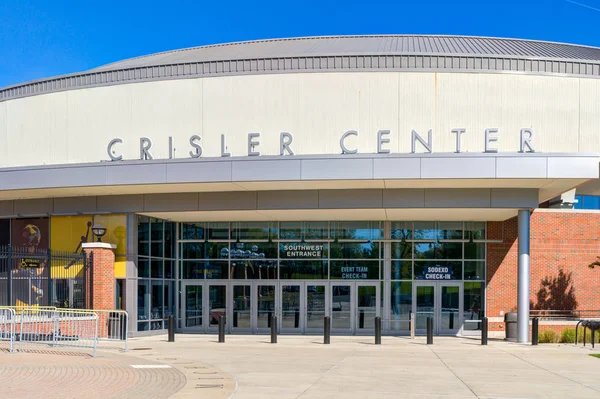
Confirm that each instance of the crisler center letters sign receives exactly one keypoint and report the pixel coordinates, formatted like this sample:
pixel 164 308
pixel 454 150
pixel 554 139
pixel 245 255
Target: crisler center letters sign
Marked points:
pixel 286 140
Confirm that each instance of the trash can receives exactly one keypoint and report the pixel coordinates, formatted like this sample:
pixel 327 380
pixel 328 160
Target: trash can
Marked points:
pixel 510 326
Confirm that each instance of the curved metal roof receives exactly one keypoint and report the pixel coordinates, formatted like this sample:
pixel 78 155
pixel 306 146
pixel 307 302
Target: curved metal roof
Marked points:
pixel 372 45
pixel 334 54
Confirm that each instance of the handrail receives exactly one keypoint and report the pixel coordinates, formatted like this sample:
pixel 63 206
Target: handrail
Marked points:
pixel 565 314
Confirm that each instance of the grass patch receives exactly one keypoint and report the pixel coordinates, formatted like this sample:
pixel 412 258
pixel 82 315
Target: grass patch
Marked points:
pixel 595 355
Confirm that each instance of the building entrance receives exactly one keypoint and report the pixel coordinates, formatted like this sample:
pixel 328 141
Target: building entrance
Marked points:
pixel 441 300
pixel 300 306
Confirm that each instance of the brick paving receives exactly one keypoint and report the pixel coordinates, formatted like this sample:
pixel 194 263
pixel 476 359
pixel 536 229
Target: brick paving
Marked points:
pixel 48 374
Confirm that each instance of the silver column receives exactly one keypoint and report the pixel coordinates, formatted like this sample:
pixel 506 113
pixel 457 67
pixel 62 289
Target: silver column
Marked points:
pixel 523 284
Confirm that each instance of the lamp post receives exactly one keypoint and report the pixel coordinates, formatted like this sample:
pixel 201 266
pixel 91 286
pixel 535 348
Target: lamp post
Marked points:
pixel 99 231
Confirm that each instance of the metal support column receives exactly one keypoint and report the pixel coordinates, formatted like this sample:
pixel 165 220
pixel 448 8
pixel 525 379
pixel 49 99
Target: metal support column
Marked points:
pixel 523 281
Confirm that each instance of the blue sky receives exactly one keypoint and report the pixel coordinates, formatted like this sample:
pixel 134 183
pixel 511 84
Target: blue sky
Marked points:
pixel 46 38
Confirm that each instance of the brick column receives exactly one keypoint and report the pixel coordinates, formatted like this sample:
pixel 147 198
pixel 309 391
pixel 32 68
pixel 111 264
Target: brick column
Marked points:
pixel 102 274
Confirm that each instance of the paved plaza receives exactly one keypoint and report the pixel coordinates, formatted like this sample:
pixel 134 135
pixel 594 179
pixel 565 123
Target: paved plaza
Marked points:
pixel 302 367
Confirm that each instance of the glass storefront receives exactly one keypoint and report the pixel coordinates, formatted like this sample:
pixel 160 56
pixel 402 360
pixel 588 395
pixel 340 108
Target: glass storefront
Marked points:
pixel 302 271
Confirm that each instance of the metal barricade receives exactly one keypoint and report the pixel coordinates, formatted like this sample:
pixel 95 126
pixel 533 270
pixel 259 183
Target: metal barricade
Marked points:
pixel 57 328
pixel 113 325
pixel 7 327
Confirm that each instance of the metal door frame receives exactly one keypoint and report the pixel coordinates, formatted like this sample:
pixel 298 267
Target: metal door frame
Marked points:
pixel 255 285
pixel 377 285
pixel 231 301
pixel 457 323
pixel 437 304
pixel 301 306
pixel 206 311
pixel 184 285
pixel 304 314
pixel 343 283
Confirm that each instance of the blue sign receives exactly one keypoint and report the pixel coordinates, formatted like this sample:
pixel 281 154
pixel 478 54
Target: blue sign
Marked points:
pixel 438 273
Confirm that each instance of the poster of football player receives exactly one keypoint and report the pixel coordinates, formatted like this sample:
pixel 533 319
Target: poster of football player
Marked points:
pixel 30 269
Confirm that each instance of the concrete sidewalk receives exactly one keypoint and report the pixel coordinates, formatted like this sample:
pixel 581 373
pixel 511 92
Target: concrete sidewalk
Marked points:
pixel 352 367
pixel 302 367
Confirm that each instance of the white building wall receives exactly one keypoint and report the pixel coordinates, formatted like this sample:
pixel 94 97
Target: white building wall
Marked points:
pixel 317 108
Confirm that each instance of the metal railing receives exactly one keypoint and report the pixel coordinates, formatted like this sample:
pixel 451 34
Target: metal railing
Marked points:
pixel 110 325
pixel 565 314
pixel 51 327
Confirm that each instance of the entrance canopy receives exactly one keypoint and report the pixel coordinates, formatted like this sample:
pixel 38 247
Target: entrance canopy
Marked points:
pixel 482 186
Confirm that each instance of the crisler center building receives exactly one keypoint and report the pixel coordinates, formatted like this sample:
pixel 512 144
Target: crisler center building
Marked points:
pixel 350 177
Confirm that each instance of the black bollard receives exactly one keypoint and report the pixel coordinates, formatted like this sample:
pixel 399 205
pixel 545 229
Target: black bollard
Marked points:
pixel 584 333
pixel 593 327
pixel 273 329
pixel 221 329
pixel 534 331
pixel 484 331
pixel 171 325
pixel 361 319
pixel 378 331
pixel 327 330
pixel 429 330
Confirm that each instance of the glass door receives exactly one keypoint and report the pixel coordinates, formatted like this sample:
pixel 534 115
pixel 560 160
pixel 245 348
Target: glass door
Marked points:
pixel 315 309
pixel 290 307
pixel 217 305
pixel 367 298
pixel 450 308
pixel 341 308
pixel 424 306
pixel 265 309
pixel 242 306
pixel 192 308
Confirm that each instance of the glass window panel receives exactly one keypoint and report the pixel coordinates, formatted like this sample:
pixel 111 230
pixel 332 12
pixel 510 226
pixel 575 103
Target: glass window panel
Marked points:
pixel 401 230
pixel 306 250
pixel 192 231
pixel 400 306
pixel 216 269
pixel 354 270
pixel 437 270
pixel 473 305
pixel 156 229
pixel 169 269
pixel 253 230
pixel 303 270
pixel 169 299
pixel 156 268
pixel 169 240
pixel 450 230
pixel 306 230
pixel 437 250
pixel 474 250
pixel 143 236
pixel 253 269
pixel 144 326
pixel 474 270
pixel 143 299
pixel 218 231
pixel 357 230
pixel 402 270
pixel 156 249
pixel 402 250
pixel 341 306
pixel 266 305
pixel 156 325
pixel 425 231
pixel 143 265
pixel 156 307
pixel 474 230
pixel 250 250
pixel 192 270
pixel 354 250
pixel 241 306
pixel 204 250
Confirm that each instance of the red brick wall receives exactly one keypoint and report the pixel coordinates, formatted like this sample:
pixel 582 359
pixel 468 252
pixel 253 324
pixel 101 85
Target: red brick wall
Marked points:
pixel 103 270
pixel 563 244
